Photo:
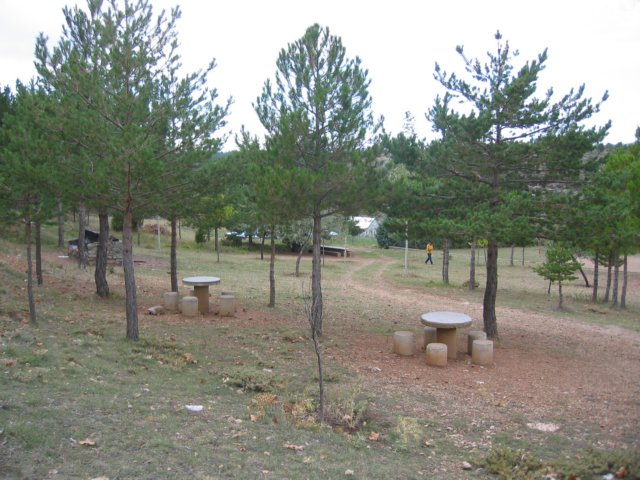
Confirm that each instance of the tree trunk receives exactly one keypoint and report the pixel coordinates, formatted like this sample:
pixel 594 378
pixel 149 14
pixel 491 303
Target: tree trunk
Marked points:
pixel 607 289
pixel 300 253
pixel 596 278
pixel 32 303
pixel 38 239
pixel 316 275
pixel 559 294
pixel 129 273
pixel 406 248
pixel 472 265
pixel 584 276
pixel 491 289
pixel 445 261
pixel 82 248
pixel 625 278
pixel 317 347
pixel 616 275
pixel 264 236
pixel 173 260
pixel 523 256
pixel 100 274
pixel 216 241
pixel 511 257
pixel 272 269
pixel 60 225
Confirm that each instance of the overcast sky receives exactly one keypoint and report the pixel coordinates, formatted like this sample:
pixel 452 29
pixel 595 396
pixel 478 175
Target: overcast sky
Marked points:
pixel 595 42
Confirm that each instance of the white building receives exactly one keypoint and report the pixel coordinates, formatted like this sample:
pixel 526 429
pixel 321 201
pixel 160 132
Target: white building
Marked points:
pixel 368 225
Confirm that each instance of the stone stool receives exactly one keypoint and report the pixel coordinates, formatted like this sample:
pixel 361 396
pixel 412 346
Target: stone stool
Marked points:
pixel 227 305
pixel 171 301
pixel 430 336
pixel 474 335
pixel 482 352
pixel 403 343
pixel 189 306
pixel 235 299
pixel 436 354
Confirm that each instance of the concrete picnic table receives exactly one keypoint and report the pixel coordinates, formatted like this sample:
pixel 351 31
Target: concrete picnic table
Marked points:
pixel 200 284
pixel 446 325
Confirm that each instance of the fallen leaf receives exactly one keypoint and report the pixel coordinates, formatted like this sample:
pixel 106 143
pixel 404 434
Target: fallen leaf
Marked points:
pixel 88 443
pixel 296 448
pixel 373 436
pixel 189 358
pixel 621 473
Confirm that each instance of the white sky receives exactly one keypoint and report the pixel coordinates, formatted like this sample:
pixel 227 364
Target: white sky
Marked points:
pixel 595 42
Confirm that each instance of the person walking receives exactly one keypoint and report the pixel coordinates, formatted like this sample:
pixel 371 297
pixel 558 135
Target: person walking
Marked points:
pixel 429 249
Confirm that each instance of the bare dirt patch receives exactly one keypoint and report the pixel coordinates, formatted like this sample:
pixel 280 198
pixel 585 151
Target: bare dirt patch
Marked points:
pixel 580 377
pixel 547 369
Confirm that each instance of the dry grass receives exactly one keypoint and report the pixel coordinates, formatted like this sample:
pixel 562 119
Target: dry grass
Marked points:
pixel 74 380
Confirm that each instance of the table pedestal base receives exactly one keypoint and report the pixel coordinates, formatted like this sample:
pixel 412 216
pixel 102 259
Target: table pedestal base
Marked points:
pixel 449 337
pixel 202 294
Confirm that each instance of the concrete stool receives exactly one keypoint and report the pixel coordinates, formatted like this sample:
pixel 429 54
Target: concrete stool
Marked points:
pixel 235 299
pixel 403 343
pixel 430 336
pixel 474 335
pixel 482 352
pixel 189 306
pixel 227 305
pixel 171 301
pixel 436 354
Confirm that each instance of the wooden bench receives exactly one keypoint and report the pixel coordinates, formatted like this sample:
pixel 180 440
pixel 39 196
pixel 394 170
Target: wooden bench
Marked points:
pixel 335 251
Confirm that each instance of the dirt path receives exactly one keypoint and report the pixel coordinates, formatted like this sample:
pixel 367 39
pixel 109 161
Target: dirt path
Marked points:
pixel 580 376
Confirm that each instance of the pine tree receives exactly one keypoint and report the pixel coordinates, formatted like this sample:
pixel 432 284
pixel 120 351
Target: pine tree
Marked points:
pixel 134 125
pixel 507 144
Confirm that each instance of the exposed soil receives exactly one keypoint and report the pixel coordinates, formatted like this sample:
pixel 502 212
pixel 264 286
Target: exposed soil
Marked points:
pixel 548 371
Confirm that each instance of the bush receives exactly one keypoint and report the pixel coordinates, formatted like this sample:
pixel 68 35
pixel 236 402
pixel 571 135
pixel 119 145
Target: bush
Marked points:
pixel 201 236
pixel 117 221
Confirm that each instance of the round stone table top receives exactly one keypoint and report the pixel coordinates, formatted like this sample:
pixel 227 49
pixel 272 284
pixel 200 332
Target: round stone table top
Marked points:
pixel 200 281
pixel 445 319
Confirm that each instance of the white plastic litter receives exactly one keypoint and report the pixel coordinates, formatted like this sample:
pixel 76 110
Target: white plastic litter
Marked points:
pixel 194 408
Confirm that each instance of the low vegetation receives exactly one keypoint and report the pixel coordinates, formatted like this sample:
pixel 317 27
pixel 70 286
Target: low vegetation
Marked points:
pixel 78 400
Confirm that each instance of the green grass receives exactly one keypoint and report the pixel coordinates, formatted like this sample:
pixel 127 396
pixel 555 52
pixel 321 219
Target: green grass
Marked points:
pixel 74 377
